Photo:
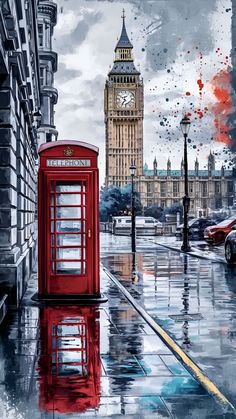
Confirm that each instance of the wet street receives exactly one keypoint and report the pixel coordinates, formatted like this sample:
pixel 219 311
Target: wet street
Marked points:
pixel 108 360
pixel 192 298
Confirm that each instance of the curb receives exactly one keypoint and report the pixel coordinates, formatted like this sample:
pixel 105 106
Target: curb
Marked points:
pixel 174 347
pixel 176 249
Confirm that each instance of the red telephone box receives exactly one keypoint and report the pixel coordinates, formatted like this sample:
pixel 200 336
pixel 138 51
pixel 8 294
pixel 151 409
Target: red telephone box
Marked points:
pixel 69 363
pixel 68 221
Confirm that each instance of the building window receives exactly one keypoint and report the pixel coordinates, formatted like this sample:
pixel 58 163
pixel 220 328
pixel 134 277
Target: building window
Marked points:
pixel 204 189
pixel 175 188
pixel 42 75
pixel 218 202
pixel 48 137
pixel 40 33
pixel 190 185
pixel 163 189
pixel 230 186
pixel 217 187
pixel 163 203
pixel 48 35
pixel 49 81
pixel 149 187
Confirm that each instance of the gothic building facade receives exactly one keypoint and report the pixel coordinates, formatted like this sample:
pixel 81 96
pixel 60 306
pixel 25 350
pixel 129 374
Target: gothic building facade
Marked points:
pixel 209 189
pixel 21 105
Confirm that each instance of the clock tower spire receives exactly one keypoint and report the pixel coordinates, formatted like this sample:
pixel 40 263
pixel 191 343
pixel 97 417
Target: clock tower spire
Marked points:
pixel 123 105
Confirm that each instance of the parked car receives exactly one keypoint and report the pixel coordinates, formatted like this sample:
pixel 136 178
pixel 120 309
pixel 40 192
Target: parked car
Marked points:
pixel 230 246
pixel 217 234
pixel 196 228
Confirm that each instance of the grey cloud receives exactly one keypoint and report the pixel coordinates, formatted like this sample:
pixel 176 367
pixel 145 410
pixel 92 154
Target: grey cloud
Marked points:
pixel 68 43
pixel 63 74
pixel 180 22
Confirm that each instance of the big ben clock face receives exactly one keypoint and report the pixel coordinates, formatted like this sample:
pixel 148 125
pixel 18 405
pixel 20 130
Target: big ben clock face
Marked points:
pixel 125 99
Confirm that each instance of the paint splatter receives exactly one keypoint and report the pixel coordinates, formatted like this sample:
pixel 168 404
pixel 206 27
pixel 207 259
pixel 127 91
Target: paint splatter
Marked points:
pixel 200 86
pixel 223 107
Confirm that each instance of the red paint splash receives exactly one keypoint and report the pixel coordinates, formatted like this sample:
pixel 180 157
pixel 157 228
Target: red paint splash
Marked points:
pixel 199 113
pixel 200 85
pixel 188 93
pixel 223 107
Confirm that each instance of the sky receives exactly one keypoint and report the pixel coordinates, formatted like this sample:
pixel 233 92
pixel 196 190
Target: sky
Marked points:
pixel 182 49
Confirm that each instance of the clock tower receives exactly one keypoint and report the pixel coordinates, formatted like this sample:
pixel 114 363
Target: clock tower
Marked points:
pixel 123 105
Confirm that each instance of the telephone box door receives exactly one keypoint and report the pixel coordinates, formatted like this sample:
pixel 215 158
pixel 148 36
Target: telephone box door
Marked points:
pixel 69 231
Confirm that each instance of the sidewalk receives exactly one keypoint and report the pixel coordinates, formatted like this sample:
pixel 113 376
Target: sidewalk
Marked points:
pixel 55 365
pixel 191 298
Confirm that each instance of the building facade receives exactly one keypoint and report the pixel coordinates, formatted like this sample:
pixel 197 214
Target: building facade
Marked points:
pixel 20 104
pixel 209 189
pixel 47 19
pixel 123 105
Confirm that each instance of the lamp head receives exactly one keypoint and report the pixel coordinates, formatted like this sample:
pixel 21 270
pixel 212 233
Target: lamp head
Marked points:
pixel 132 169
pixel 185 125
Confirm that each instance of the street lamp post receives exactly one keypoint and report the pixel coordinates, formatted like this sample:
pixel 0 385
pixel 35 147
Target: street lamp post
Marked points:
pixel 132 172
pixel 185 126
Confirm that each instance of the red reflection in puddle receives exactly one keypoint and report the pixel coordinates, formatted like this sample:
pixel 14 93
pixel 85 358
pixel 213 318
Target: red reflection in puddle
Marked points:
pixel 69 365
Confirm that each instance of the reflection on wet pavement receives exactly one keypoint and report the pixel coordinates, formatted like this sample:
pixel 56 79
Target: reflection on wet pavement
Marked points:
pixel 101 361
pixel 193 299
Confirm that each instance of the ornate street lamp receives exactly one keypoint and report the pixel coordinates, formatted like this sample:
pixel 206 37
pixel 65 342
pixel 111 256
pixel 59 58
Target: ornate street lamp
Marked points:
pixel 185 126
pixel 132 172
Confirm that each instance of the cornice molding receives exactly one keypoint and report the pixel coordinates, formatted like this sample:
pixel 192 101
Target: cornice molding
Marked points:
pixel 48 8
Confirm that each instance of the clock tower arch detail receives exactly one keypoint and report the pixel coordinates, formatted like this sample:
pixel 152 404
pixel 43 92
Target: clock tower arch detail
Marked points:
pixel 123 106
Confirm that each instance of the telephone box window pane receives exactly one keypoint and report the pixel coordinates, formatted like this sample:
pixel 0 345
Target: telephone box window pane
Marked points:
pixel 52 253
pixel 70 370
pixel 68 226
pixel 68 253
pixel 68 199
pixel 68 212
pixel 66 330
pixel 67 343
pixel 68 188
pixel 68 240
pixel 52 226
pixel 52 212
pixel 69 268
pixel 71 356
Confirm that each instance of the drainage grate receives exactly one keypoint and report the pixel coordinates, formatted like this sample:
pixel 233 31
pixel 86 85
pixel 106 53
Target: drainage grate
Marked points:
pixel 184 317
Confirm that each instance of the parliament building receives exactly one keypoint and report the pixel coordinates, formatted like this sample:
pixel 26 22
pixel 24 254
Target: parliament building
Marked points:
pixel 209 189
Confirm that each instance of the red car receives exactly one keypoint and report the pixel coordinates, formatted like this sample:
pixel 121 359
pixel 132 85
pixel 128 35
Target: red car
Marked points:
pixel 216 234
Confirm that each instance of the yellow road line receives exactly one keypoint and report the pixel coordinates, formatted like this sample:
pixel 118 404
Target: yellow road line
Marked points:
pixel 203 379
